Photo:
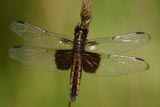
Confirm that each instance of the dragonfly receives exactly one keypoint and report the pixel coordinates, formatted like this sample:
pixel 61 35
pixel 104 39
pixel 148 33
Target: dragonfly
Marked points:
pixel 50 51
pixel 100 56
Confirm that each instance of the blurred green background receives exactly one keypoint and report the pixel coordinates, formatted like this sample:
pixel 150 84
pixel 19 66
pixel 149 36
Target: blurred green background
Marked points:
pixel 24 86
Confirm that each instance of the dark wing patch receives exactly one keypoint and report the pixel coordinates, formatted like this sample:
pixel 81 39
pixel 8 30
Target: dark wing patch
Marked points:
pixel 63 59
pixel 90 62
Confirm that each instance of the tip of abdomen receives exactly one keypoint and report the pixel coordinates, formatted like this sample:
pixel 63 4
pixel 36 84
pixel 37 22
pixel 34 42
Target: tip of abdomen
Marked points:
pixel 73 98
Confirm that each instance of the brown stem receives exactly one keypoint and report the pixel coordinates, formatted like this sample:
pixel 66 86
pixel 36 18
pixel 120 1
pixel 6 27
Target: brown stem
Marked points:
pixel 86 13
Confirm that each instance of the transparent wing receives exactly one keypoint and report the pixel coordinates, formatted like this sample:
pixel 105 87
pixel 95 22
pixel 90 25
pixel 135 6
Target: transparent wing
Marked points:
pixel 115 65
pixel 41 58
pixel 40 38
pixel 117 44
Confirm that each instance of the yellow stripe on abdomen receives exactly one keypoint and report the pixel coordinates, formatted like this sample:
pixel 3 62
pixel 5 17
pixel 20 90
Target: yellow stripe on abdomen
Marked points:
pixel 75 76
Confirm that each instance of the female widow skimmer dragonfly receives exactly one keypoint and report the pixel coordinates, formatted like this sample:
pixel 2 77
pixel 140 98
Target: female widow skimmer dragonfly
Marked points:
pixel 54 52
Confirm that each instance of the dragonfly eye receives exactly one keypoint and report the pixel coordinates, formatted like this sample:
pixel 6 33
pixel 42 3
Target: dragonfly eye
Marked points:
pixel 85 31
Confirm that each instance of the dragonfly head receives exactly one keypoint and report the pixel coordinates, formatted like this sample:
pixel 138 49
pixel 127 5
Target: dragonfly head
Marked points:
pixel 81 28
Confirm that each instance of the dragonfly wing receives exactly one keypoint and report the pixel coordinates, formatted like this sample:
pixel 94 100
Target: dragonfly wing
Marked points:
pixel 39 37
pixel 42 58
pixel 115 65
pixel 117 44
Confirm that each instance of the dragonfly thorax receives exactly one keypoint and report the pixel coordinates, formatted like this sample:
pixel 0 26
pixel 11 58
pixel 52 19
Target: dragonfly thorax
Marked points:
pixel 80 39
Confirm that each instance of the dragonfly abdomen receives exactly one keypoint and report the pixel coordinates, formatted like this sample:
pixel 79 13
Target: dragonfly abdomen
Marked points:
pixel 75 76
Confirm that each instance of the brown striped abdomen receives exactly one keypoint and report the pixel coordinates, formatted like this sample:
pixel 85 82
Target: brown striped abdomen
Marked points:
pixel 75 76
